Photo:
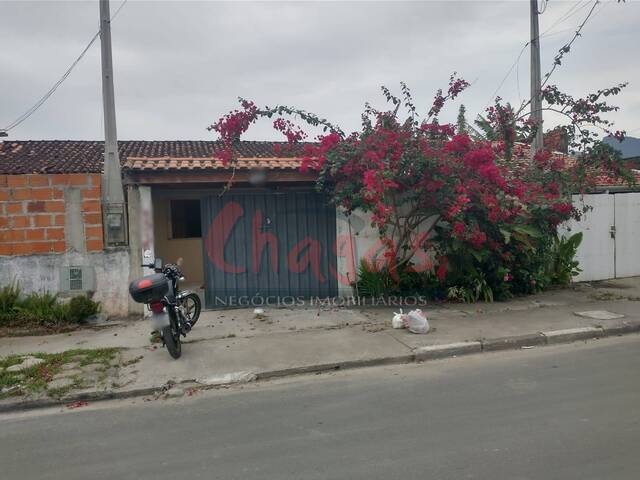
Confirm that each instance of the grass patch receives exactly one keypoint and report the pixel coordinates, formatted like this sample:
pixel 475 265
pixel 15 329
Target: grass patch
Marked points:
pixel 606 296
pixel 36 378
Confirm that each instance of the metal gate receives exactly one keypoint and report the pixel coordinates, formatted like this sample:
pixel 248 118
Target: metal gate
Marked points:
pixel 610 232
pixel 266 248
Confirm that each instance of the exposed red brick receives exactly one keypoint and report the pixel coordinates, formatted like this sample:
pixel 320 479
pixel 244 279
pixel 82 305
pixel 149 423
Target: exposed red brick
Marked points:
pixel 6 249
pixel 92 219
pixel 96 180
pixel 59 247
pixel 14 207
pixel 42 193
pixel 56 206
pixel 22 249
pixel 55 233
pixel 59 220
pixel 91 193
pixel 95 245
pixel 43 220
pixel 16 181
pixel 58 193
pixel 41 247
pixel 36 207
pixel 4 222
pixel 16 235
pixel 75 179
pixel 36 234
pixel 3 181
pixel 20 221
pixel 93 232
pixel 91 206
pixel 39 180
pixel 4 195
pixel 21 193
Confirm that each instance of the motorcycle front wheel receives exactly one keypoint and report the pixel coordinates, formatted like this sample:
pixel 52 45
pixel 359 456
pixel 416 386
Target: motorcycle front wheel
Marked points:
pixel 171 337
pixel 192 307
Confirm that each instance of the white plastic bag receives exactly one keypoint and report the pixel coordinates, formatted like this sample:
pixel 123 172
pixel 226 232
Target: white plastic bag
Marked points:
pixel 416 321
pixel 398 319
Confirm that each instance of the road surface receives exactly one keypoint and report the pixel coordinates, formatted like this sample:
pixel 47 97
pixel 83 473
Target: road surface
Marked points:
pixel 566 412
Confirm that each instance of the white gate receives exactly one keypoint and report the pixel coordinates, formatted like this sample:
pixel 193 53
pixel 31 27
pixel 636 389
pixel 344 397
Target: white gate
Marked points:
pixel 627 206
pixel 611 230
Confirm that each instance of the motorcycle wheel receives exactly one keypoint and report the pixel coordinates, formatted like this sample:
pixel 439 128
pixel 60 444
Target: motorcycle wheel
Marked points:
pixel 192 307
pixel 171 337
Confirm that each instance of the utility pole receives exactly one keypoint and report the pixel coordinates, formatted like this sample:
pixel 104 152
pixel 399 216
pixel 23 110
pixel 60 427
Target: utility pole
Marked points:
pixel 112 193
pixel 536 79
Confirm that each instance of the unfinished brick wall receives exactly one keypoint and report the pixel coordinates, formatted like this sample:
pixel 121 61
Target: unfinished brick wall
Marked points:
pixel 32 212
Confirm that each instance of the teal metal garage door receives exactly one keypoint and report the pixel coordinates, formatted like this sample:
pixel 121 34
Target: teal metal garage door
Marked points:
pixel 268 248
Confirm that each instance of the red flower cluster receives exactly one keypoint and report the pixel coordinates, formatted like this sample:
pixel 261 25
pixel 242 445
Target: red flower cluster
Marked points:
pixel 315 155
pixel 232 126
pixel 291 131
pixel 446 129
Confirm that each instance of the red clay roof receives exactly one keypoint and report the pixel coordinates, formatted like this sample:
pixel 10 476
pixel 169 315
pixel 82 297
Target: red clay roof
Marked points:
pixel 85 156
pixel 81 156
pixel 209 163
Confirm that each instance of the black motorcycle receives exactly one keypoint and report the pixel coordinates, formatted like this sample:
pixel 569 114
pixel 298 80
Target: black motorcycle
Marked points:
pixel 173 312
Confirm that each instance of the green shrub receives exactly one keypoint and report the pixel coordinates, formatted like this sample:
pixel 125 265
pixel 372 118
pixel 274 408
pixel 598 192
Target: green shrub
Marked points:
pixel 44 309
pixel 373 281
pixel 82 307
pixel 562 267
pixel 40 308
pixel 9 296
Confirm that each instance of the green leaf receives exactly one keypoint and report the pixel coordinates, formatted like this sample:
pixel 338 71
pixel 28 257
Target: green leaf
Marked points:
pixel 506 234
pixel 477 255
pixel 528 230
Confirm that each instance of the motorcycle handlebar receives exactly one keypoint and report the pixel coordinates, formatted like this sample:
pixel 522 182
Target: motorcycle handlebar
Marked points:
pixel 169 269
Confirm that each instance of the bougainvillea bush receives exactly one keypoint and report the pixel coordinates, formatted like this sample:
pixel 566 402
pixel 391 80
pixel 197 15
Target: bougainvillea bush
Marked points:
pixel 484 210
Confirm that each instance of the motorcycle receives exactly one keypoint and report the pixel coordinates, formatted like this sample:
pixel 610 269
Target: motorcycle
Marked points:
pixel 174 312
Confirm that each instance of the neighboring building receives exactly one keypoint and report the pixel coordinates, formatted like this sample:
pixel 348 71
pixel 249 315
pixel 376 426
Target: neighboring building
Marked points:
pixel 629 148
pixel 270 235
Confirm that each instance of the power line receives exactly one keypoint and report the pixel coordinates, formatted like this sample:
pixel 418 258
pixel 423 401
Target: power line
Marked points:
pixel 569 13
pixel 567 46
pixel 55 86
pixel 544 7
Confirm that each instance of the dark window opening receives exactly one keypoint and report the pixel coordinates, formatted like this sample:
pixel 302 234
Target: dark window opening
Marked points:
pixel 185 219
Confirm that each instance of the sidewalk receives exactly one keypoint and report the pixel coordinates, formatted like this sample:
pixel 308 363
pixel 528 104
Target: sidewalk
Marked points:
pixel 232 345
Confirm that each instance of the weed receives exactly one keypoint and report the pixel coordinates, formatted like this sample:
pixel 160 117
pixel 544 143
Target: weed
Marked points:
pixel 35 379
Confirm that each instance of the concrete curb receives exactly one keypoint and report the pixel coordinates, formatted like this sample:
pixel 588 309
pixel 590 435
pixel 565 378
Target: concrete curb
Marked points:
pixel 511 343
pixel 434 352
pixel 328 367
pixel 420 354
pixel 573 334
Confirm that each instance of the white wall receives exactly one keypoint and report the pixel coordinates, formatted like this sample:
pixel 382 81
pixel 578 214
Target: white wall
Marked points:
pixel 41 273
pixel 357 239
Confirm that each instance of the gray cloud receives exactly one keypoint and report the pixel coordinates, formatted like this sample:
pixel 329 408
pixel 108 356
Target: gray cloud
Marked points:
pixel 180 65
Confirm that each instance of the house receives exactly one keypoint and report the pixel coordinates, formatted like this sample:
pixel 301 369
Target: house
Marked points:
pixel 270 237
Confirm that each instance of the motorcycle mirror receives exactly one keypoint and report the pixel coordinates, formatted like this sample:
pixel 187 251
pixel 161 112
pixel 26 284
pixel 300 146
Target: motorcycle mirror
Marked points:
pixel 157 263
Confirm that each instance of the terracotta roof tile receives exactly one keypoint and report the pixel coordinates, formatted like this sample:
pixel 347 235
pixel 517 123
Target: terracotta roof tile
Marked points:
pixel 81 156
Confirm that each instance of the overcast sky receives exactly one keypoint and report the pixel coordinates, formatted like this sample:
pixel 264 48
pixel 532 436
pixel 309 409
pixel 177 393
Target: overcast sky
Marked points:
pixel 180 65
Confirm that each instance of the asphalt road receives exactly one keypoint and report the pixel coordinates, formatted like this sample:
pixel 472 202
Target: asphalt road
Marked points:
pixel 568 412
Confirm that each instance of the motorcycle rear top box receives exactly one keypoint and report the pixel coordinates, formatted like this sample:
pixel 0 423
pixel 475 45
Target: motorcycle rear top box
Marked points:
pixel 149 288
